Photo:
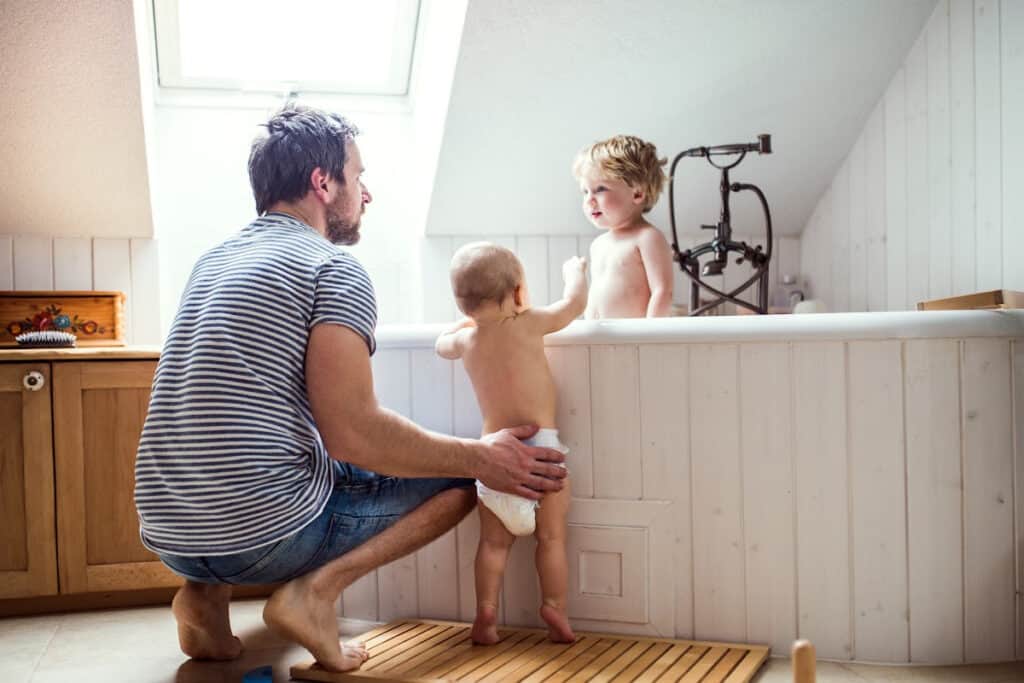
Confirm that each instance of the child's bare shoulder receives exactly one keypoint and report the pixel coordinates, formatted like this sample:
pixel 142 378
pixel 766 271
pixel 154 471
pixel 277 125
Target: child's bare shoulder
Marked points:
pixel 648 233
pixel 533 321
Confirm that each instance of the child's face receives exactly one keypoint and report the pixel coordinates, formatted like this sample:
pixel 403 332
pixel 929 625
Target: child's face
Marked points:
pixel 609 203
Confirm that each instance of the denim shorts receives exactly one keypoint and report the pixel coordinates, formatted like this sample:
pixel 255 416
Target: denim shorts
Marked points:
pixel 361 505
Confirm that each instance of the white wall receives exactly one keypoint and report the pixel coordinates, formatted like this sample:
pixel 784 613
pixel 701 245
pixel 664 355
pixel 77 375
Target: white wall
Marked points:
pixel 929 201
pixel 537 80
pixel 73 160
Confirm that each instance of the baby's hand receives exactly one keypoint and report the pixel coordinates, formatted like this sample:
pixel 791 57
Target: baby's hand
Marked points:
pixel 574 266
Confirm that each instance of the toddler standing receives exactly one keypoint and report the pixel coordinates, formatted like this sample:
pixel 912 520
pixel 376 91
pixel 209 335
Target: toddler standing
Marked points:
pixel 501 344
pixel 621 179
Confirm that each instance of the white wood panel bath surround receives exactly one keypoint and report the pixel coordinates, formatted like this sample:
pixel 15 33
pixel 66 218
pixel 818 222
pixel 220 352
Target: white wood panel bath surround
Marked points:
pixel 854 479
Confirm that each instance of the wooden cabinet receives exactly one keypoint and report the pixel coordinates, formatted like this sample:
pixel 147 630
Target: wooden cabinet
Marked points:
pixel 28 539
pixel 67 453
pixel 98 411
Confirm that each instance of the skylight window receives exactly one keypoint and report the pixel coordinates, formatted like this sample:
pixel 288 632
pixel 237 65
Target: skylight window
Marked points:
pixel 296 46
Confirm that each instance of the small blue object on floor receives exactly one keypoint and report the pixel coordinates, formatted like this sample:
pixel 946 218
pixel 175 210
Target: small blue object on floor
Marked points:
pixel 264 674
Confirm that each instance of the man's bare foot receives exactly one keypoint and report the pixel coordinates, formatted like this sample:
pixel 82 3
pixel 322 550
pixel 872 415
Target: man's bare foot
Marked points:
pixel 558 624
pixel 485 628
pixel 297 613
pixel 204 628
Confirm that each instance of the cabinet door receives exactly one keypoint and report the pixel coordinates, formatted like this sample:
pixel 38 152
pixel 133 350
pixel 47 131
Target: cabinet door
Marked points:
pixel 28 542
pixel 98 411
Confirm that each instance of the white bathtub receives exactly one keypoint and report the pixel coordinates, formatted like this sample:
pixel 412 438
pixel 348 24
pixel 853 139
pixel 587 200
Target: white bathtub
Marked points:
pixel 855 479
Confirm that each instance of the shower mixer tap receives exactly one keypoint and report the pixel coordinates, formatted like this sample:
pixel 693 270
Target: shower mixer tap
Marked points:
pixel 722 243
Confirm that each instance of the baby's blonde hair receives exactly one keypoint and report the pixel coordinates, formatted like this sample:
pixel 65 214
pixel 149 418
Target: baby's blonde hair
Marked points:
pixel 481 272
pixel 628 158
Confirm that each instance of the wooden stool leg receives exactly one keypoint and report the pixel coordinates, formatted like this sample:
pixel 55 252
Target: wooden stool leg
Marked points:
pixel 803 662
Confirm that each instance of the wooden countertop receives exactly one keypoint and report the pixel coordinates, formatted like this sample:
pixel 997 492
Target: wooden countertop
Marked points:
pixel 11 354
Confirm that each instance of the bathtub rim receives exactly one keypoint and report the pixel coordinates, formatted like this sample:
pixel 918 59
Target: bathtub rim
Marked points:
pixel 742 328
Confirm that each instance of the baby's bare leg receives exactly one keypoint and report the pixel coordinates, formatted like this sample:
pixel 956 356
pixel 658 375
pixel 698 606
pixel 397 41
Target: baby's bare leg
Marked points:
pixel 552 564
pixel 491 558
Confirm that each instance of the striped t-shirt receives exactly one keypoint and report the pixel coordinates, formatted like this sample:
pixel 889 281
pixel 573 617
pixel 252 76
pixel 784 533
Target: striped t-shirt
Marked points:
pixel 230 458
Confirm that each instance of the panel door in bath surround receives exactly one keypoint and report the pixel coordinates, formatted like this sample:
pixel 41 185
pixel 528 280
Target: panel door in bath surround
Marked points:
pixel 620 566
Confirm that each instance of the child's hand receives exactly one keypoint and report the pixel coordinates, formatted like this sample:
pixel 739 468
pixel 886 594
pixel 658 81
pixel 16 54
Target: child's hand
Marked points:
pixel 575 266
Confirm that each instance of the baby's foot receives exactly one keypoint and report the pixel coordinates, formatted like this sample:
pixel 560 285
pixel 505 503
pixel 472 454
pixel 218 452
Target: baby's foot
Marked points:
pixel 485 628
pixel 559 629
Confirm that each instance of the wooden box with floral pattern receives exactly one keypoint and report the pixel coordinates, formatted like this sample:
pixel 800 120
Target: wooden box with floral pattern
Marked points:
pixel 95 318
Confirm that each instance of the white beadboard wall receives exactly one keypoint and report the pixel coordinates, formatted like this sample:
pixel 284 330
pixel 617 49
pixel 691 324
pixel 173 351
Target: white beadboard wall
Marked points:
pixel 928 204
pixel 542 257
pixel 858 484
pixel 34 262
pixel 37 262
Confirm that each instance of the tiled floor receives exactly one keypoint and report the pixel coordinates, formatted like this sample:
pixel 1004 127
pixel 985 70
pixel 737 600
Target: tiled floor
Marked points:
pixel 140 646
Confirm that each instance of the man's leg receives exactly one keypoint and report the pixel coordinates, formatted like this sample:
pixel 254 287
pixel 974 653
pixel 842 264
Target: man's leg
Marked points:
pixel 302 610
pixel 204 630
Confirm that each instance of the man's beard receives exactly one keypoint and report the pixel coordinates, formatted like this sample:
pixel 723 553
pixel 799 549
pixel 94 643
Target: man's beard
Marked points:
pixel 341 230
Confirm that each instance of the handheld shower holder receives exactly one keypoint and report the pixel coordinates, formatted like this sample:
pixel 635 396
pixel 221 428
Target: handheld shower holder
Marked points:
pixel 722 243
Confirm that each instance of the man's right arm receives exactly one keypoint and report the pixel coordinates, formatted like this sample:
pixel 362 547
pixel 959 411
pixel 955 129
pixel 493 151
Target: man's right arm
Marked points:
pixel 356 429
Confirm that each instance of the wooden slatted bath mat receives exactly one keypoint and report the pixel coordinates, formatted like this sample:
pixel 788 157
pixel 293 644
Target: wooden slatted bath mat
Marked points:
pixel 426 650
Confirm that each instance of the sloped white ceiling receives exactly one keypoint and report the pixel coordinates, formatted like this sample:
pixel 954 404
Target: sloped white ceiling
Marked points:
pixel 73 156
pixel 538 79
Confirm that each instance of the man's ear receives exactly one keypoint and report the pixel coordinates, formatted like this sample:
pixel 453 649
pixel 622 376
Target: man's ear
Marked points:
pixel 318 183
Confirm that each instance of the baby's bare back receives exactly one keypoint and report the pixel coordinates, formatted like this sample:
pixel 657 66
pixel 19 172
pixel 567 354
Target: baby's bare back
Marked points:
pixel 619 287
pixel 510 375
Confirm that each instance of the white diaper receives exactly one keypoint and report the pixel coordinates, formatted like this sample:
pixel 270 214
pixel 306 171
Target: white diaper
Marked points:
pixel 515 512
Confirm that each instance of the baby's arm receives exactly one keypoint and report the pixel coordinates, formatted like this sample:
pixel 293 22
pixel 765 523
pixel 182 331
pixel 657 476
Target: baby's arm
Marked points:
pixel 574 298
pixel 657 259
pixel 590 311
pixel 449 344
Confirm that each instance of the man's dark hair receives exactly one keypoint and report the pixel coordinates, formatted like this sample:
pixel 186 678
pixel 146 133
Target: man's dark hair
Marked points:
pixel 298 140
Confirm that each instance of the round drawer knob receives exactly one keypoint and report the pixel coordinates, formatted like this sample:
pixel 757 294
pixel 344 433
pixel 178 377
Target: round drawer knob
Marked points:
pixel 33 381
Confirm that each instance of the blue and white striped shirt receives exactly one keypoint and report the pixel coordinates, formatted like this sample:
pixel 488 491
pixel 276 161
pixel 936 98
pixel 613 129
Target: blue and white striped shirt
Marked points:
pixel 230 458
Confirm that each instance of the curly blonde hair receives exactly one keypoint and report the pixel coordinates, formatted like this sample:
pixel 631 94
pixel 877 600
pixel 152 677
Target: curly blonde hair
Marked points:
pixel 628 158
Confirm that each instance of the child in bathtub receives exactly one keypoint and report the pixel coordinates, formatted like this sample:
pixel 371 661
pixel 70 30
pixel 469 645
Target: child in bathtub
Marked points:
pixel 501 344
pixel 631 272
